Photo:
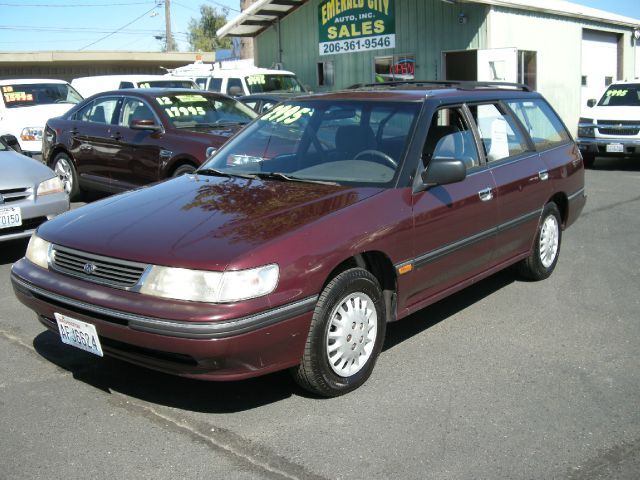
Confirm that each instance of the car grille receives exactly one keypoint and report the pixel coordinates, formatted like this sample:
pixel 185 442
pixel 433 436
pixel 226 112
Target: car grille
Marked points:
pixel 14 195
pixel 608 127
pixel 96 268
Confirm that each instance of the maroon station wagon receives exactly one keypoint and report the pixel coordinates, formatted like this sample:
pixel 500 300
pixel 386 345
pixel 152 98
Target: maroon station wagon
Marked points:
pixel 317 224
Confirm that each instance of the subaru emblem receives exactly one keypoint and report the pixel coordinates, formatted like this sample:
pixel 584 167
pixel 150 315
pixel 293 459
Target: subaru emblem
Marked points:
pixel 89 268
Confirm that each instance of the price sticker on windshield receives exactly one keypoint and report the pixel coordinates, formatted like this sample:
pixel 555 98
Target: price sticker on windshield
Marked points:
pixel 617 93
pixel 287 114
pixel 257 79
pixel 17 97
pixel 190 98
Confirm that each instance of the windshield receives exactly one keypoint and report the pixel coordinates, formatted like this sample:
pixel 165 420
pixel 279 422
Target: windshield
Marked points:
pixel 344 142
pixel 627 95
pixel 29 95
pixel 191 110
pixel 167 84
pixel 260 83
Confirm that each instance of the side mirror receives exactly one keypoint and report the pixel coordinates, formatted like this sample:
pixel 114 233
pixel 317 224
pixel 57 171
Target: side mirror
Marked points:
pixel 443 170
pixel 210 151
pixel 145 125
pixel 235 91
pixel 591 102
pixel 12 142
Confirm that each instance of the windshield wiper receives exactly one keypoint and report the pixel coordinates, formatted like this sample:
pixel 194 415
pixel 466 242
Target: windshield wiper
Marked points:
pixel 289 178
pixel 221 173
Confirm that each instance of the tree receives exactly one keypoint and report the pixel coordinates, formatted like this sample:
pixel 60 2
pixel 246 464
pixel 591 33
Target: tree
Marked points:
pixel 202 32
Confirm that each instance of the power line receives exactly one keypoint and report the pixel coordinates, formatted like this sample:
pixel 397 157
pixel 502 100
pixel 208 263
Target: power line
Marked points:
pixel 73 5
pixel 121 28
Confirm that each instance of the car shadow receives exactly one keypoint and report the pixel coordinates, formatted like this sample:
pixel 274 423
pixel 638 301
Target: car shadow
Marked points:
pixel 626 164
pixel 113 375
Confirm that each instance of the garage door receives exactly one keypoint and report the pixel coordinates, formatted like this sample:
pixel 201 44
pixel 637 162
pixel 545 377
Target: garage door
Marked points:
pixel 599 62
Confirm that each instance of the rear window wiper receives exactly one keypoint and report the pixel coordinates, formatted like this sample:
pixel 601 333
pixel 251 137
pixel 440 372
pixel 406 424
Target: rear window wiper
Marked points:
pixel 221 173
pixel 289 178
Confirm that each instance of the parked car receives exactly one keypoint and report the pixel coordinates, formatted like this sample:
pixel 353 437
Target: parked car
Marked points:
pixel 611 127
pixel 239 80
pixel 309 231
pixel 124 139
pixel 263 102
pixel 88 86
pixel 30 193
pixel 27 104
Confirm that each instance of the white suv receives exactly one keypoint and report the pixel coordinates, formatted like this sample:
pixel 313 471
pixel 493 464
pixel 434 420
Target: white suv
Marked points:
pixel 27 104
pixel 612 126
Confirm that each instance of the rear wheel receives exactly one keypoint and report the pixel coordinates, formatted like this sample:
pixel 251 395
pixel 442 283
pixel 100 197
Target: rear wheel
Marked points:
pixel 346 335
pixel 546 249
pixel 183 170
pixel 64 168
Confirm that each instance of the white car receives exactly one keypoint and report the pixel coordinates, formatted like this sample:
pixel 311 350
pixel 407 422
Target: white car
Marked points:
pixel 611 127
pixel 239 80
pixel 30 194
pixel 88 86
pixel 27 104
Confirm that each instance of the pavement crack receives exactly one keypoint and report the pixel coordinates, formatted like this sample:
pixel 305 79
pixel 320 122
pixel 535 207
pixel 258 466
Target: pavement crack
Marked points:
pixel 243 451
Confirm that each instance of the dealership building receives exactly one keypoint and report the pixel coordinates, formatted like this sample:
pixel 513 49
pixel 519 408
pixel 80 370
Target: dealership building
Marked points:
pixel 568 52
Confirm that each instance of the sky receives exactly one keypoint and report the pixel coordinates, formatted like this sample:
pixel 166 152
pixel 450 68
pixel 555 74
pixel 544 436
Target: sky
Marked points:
pixel 133 25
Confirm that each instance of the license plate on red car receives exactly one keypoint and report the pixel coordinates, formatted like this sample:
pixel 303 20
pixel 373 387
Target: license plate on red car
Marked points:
pixel 79 334
pixel 10 217
pixel 615 148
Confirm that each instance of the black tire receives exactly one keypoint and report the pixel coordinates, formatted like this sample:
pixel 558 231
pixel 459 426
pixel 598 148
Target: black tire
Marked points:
pixel 317 372
pixel 183 170
pixel 589 159
pixel 546 247
pixel 65 168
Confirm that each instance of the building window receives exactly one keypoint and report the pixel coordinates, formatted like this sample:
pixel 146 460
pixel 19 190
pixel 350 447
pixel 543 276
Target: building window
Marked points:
pixel 527 68
pixel 608 81
pixel 325 74
pixel 584 80
pixel 394 67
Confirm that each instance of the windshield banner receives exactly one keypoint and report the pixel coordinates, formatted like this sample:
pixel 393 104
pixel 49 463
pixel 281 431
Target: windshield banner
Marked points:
pixel 356 25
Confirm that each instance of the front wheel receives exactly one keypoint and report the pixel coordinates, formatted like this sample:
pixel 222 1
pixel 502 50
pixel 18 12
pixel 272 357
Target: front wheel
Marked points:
pixel 64 168
pixel 346 335
pixel 183 170
pixel 546 249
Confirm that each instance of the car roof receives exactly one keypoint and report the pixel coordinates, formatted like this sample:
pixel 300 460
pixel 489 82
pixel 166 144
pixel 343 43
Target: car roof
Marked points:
pixel 29 81
pixel 132 77
pixel 155 91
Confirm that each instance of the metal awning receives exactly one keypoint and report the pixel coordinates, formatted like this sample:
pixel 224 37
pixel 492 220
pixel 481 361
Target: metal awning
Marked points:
pixel 258 17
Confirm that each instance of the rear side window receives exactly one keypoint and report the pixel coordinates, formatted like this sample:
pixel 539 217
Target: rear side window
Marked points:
pixel 215 85
pixel 100 110
pixel 499 133
pixel 544 126
pixel 232 85
pixel 126 85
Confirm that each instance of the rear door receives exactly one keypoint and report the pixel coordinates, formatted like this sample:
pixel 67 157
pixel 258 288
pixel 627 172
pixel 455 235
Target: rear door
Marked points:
pixel 92 146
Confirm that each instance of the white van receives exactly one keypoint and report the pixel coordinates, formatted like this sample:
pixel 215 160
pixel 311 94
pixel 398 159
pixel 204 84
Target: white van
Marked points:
pixel 27 104
pixel 88 86
pixel 238 79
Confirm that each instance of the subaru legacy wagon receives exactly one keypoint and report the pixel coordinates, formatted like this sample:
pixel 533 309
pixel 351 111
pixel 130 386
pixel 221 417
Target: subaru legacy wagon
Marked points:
pixel 304 235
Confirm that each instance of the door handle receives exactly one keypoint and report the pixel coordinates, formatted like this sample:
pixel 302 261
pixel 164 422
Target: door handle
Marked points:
pixel 86 147
pixel 116 136
pixel 543 175
pixel 73 131
pixel 486 194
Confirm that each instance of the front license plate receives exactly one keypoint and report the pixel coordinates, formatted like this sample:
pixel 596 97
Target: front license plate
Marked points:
pixel 10 217
pixel 79 334
pixel 615 148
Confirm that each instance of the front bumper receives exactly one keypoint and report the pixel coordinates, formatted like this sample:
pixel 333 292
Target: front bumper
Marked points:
pixel 34 213
pixel 226 349
pixel 602 146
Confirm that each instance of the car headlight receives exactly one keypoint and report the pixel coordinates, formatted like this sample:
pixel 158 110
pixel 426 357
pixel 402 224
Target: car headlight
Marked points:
pixel 586 127
pixel 30 134
pixel 38 251
pixel 207 286
pixel 53 185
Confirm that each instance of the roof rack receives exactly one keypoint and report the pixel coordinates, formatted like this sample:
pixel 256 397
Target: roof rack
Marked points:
pixel 463 84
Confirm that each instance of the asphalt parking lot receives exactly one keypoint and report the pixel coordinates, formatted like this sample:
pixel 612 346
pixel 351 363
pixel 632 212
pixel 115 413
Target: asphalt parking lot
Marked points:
pixel 506 379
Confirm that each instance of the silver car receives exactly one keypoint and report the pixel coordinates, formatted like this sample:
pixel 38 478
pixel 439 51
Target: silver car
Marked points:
pixel 30 194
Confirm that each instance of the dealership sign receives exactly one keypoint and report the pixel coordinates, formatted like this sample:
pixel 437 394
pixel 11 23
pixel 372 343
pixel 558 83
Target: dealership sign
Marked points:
pixel 356 25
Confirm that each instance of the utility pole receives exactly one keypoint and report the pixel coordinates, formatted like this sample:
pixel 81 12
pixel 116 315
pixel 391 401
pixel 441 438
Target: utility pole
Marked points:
pixel 170 45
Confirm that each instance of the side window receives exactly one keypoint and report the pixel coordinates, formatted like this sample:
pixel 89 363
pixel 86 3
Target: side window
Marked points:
pixel 450 136
pixel 99 111
pixel 126 85
pixel 267 105
pixel 134 109
pixel 233 84
pixel 215 85
pixel 201 82
pixel 544 126
pixel 498 131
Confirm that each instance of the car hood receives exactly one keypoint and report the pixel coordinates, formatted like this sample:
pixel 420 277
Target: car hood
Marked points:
pixel 15 119
pixel 18 171
pixel 198 222
pixel 613 113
